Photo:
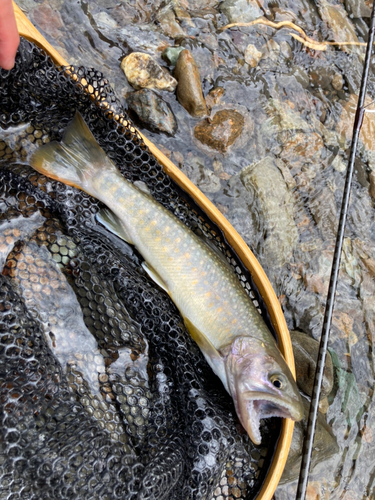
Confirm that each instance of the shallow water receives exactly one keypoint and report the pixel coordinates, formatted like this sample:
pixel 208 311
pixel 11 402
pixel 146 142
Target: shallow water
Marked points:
pixel 293 103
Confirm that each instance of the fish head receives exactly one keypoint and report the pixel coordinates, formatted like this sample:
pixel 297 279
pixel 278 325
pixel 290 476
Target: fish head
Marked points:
pixel 260 383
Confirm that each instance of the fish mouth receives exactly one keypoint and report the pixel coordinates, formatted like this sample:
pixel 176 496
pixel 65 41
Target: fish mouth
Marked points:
pixel 260 405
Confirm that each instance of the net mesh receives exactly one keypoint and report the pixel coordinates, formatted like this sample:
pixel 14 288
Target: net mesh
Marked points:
pixel 103 394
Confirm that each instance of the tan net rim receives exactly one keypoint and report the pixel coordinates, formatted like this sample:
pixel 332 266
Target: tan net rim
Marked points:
pixel 28 31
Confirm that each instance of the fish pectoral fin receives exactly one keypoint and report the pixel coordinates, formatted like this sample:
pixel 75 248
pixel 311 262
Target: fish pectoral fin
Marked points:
pixel 212 355
pixel 155 276
pixel 111 222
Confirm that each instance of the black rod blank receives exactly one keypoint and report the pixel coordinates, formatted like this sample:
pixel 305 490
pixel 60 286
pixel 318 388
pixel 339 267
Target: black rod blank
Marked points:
pixel 309 437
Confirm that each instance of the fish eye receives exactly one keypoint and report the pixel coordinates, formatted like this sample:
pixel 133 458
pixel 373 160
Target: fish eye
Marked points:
pixel 277 381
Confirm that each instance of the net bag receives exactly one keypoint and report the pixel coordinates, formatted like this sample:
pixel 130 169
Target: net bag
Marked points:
pixel 103 394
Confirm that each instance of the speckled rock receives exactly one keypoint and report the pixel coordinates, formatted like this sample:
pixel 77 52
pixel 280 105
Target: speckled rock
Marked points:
pixel 221 131
pixel 189 89
pixel 152 111
pixel 252 55
pixel 243 11
pixel 274 208
pixel 143 72
pixel 305 350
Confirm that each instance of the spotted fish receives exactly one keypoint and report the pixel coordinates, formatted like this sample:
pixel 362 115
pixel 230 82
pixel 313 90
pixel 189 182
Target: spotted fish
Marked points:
pixel 216 309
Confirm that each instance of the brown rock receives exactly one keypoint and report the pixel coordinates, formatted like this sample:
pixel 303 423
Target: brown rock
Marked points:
pixel 305 350
pixel 214 97
pixel 372 184
pixel 143 72
pixel 345 124
pixel 342 29
pixel 48 20
pixel 301 145
pixel 189 89
pixel 220 132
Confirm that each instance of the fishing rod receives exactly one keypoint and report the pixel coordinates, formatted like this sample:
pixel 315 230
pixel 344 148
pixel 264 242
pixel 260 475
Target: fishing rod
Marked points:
pixel 309 437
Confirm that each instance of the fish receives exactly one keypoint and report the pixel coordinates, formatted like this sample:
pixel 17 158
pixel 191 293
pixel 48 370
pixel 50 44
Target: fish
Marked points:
pixel 216 310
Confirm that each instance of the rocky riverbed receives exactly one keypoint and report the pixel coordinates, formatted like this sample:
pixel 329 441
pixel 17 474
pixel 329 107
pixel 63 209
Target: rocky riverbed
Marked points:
pixel 262 124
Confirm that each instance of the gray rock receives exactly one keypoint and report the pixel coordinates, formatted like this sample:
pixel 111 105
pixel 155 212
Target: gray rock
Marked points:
pixel 201 176
pixel 305 350
pixel 243 11
pixel 152 111
pixel 170 55
pixel 143 72
pixel 189 90
pixel 274 211
pixel 357 8
pixel 325 446
pixel 323 208
pixel 301 76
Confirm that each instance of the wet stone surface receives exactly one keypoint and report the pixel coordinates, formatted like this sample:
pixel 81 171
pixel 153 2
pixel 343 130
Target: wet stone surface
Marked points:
pixel 302 103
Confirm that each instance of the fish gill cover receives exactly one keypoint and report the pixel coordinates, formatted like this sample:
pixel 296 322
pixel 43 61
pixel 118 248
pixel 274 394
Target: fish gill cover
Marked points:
pixel 103 394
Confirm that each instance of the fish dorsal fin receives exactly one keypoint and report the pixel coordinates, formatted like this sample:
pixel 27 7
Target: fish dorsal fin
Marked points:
pixel 142 186
pixel 155 276
pixel 111 222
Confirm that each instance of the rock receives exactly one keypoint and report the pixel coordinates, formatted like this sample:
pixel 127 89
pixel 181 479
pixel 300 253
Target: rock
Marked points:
pixel 221 131
pixel 282 118
pixel 271 50
pixel 214 97
pixel 337 81
pixel 252 55
pixel 322 206
pixel 274 211
pixel 203 58
pixel 201 176
pixel 338 164
pixel 372 184
pixel 170 55
pixel 49 20
pixel 341 28
pixel 168 23
pixel 325 445
pixel 357 8
pixel 301 76
pixel 305 350
pixel 346 121
pixel 189 89
pixel 104 20
pixel 302 146
pixel 143 72
pixel 243 11
pixel 285 50
pixel 152 110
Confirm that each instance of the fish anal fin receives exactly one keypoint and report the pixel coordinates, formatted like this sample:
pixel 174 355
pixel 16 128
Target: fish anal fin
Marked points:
pixel 113 224
pixel 155 276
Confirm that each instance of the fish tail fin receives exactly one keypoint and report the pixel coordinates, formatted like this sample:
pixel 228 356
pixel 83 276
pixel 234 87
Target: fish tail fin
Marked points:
pixel 73 160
